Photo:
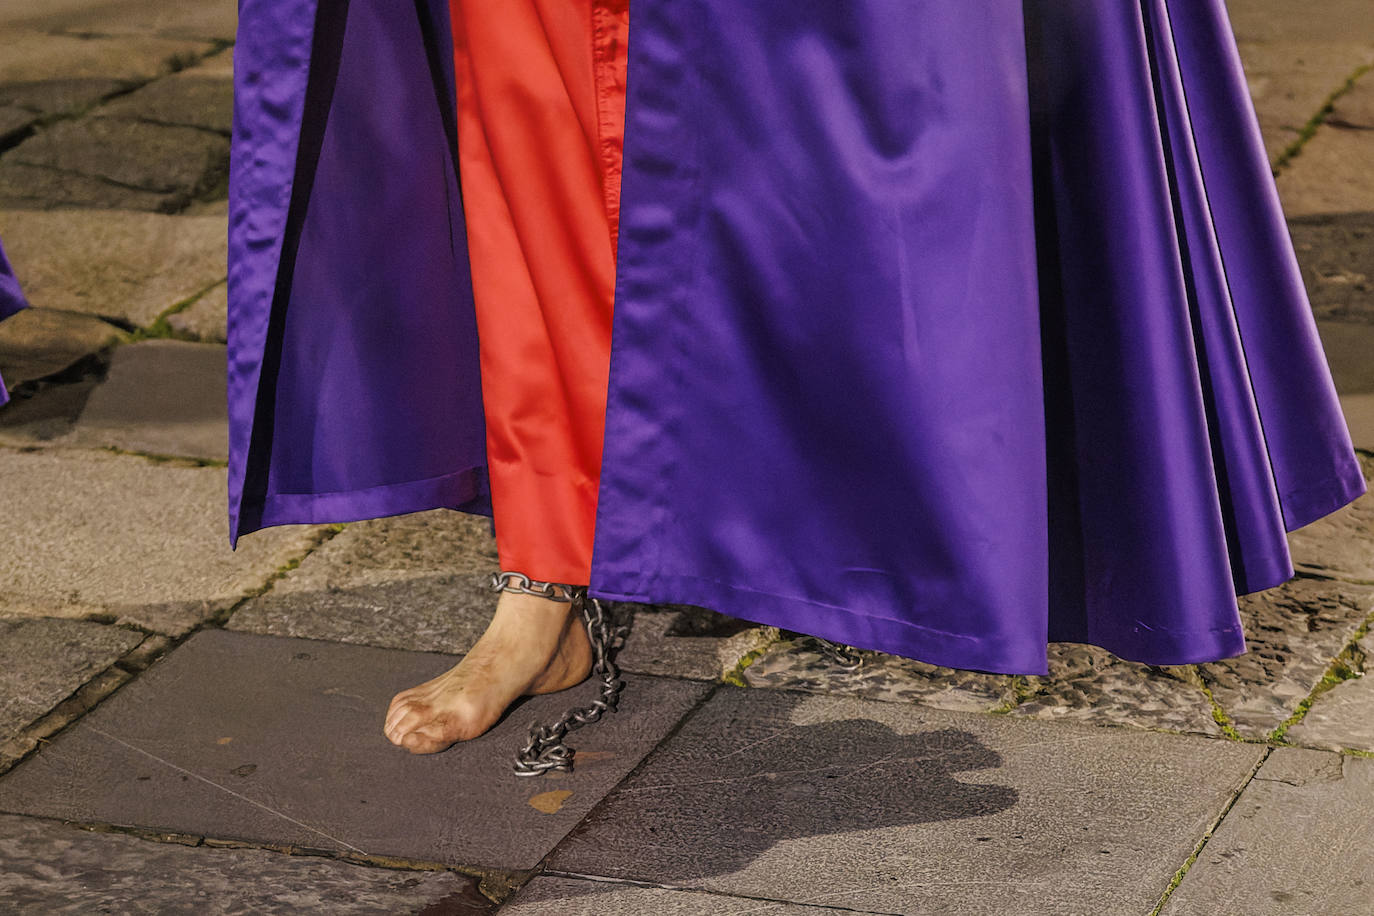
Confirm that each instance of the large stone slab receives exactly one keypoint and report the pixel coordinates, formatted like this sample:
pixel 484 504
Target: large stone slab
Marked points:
pixel 206 318
pixel 280 741
pixel 59 96
pixel 1292 632
pixel 1290 78
pixel 1349 346
pixel 162 397
pixel 1330 174
pixel 1342 544
pixel 197 18
pixel 1336 252
pixel 1299 840
pixel 33 187
pixel 124 265
pixel 54 868
pixel 36 343
pixel 188 99
pixel 1359 417
pixel 178 162
pixel 417 581
pixel 30 55
pixel 575 897
pixel 800 664
pixel 42 662
pixel 145 541
pixel 1089 684
pixel 422 581
pixel 1343 717
pixel 898 808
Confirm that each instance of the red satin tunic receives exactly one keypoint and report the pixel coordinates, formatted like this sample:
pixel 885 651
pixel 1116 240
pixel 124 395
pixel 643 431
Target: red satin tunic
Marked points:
pixel 541 115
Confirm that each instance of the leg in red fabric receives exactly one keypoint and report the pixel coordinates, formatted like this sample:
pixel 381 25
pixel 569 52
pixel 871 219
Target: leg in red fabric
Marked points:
pixel 541 87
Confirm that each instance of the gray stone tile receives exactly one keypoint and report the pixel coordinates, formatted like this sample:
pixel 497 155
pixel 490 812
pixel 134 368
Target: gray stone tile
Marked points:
pixel 799 663
pixel 195 18
pixel 206 318
pixel 1292 634
pixel 1336 252
pixel 130 266
pixel 417 581
pixel 422 581
pixel 38 342
pixel 14 121
pixel 59 96
pixel 42 412
pixel 687 641
pixel 163 397
pixel 1290 77
pixel 29 55
pixel 146 541
pixel 1359 416
pixel 32 187
pixel 1348 345
pixel 1299 840
pixel 1329 174
pixel 898 808
pixel 43 661
pixel 1343 717
pixel 574 897
pixel 178 161
pixel 52 868
pixel 188 99
pixel 1342 544
pixel 1089 684
pixel 273 740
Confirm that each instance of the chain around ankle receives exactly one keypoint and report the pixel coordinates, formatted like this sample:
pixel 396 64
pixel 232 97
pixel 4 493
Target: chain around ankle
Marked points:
pixel 511 581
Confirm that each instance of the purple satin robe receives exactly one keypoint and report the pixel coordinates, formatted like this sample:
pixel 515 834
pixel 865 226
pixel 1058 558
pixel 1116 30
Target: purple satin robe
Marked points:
pixel 11 301
pixel 943 329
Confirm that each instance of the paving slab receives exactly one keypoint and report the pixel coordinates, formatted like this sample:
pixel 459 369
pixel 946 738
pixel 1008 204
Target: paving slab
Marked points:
pixel 1343 717
pixel 419 581
pixel 800 664
pixel 1290 80
pixel 1090 684
pixel 179 162
pixel 1336 252
pixel 33 187
pixel 125 265
pixel 55 868
pixel 897 808
pixel 1359 416
pixel 59 96
pixel 30 55
pixel 1299 840
pixel 686 641
pixel 576 897
pixel 198 18
pixel 1331 173
pixel 38 342
pixel 272 740
pixel 1349 348
pixel 42 412
pixel 1293 633
pixel 1342 543
pixel 191 98
pixel 13 122
pixel 42 662
pixel 115 534
pixel 205 319
pixel 161 397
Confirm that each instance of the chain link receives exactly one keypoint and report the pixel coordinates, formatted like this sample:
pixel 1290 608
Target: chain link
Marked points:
pixel 846 657
pixel 546 749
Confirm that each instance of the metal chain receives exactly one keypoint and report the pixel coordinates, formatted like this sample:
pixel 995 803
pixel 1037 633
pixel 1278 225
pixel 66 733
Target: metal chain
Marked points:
pixel 546 749
pixel 846 657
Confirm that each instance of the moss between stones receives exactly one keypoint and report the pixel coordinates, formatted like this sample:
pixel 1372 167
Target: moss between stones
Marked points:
pixel 1310 128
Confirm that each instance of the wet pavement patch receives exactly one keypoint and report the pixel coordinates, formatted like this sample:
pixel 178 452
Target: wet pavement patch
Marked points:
pixel 899 808
pixel 272 740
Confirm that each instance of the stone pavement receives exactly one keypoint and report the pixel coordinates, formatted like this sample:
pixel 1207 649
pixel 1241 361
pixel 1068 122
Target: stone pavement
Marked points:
pixel 186 729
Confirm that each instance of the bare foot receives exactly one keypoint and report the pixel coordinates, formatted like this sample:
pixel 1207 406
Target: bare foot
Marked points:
pixel 532 645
